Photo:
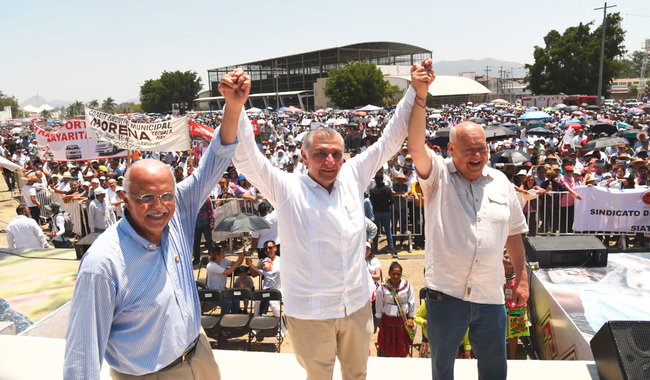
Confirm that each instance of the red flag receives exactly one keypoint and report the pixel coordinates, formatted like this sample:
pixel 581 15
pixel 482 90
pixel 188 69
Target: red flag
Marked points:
pixel 201 130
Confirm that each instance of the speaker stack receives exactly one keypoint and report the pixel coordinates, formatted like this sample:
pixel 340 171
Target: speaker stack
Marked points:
pixel 621 350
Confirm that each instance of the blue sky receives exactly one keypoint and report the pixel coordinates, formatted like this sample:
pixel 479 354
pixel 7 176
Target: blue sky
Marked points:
pixel 83 50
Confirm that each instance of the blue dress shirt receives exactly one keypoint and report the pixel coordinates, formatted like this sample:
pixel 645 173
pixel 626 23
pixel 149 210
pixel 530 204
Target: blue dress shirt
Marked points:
pixel 135 303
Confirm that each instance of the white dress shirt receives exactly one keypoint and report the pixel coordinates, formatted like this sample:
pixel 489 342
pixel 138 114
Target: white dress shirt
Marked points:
pixel 267 234
pixel 323 233
pixel 468 223
pixel 100 215
pixel 24 232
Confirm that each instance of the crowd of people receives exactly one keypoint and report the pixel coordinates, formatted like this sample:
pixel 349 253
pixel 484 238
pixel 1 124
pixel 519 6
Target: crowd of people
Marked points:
pixel 153 210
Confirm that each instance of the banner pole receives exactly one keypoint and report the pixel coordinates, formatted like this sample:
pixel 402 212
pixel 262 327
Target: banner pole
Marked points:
pixel 87 137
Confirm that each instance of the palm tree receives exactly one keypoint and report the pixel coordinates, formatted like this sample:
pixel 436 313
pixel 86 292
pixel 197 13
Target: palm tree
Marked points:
pixel 45 114
pixel 109 105
pixel 94 104
pixel 76 109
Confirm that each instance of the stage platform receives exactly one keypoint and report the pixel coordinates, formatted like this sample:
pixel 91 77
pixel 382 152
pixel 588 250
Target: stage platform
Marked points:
pixel 26 358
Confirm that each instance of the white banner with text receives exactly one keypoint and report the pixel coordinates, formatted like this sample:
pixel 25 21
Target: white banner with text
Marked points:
pixel 605 209
pixel 164 136
pixel 70 143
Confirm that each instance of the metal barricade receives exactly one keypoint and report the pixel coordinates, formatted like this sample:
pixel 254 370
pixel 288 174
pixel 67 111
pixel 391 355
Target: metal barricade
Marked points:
pixel 407 221
pixel 552 214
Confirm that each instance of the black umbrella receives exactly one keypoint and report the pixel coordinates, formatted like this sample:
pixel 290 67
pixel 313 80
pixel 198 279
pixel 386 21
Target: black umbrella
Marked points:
pixel 477 120
pixel 510 156
pixel 512 127
pixel 443 132
pixel 439 140
pixel 540 131
pixel 242 222
pixel 607 128
pixel 592 108
pixel 605 142
pixel 496 132
pixel 572 108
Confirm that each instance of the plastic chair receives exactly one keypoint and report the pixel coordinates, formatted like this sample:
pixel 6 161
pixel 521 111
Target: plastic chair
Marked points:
pixel 235 325
pixel 210 322
pixel 265 326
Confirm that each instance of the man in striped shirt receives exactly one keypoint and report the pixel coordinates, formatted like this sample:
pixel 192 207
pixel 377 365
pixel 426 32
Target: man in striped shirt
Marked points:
pixel 135 302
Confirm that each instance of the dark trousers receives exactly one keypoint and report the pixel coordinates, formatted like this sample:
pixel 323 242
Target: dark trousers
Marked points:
pixel 35 213
pixel 206 232
pixel 9 178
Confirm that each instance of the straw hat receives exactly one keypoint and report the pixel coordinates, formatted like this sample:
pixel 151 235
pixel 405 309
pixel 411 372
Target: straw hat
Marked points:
pixel 30 177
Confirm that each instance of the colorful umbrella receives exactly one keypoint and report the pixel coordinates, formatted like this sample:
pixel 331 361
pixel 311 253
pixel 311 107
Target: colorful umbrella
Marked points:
pixel 535 115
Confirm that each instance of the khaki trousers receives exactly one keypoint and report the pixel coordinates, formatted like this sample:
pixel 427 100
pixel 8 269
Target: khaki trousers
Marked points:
pixel 316 344
pixel 200 366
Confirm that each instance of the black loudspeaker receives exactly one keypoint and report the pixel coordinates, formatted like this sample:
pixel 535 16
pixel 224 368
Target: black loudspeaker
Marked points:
pixel 82 245
pixel 570 250
pixel 622 350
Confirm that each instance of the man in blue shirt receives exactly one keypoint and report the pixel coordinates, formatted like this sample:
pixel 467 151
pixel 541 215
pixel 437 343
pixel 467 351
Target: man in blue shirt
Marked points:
pixel 135 301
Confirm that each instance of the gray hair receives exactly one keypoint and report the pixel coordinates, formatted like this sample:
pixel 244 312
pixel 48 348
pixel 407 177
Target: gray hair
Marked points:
pixel 148 163
pixel 322 133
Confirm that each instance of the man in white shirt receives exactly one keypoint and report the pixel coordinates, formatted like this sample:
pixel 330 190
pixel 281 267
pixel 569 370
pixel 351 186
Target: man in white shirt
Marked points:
pixel 472 212
pixel 115 200
pixel 24 232
pixel 100 212
pixel 269 267
pixel 271 233
pixel 29 195
pixel 326 285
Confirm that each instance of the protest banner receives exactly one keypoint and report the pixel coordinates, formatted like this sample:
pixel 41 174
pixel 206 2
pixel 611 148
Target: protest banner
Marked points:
pixel 164 136
pixel 71 143
pixel 605 209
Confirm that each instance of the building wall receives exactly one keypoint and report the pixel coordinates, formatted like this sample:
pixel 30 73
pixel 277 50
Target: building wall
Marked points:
pixel 5 114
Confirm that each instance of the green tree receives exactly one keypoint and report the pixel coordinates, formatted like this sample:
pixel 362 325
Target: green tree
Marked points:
pixel 94 104
pixel 157 95
pixel 128 108
pixel 9 101
pixel 631 65
pixel 393 94
pixel 76 109
pixel 569 62
pixel 356 84
pixel 109 105
pixel 45 114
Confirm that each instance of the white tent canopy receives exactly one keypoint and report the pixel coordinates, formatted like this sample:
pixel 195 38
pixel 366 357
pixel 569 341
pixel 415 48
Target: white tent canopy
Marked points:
pixel 449 85
pixel 370 108
pixel 31 109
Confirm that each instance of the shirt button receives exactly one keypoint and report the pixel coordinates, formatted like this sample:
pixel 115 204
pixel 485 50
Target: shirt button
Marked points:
pixel 479 219
pixel 476 200
pixel 185 314
pixel 476 261
pixel 152 247
pixel 470 279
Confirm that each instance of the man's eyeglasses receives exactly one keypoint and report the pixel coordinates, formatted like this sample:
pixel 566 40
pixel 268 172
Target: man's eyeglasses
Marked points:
pixel 270 248
pixel 150 198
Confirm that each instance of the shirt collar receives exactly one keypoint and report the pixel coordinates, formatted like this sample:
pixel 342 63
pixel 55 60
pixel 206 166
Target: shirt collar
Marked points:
pixel 127 229
pixel 313 184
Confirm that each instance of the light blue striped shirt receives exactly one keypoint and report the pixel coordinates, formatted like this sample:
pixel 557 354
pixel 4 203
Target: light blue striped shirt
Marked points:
pixel 134 303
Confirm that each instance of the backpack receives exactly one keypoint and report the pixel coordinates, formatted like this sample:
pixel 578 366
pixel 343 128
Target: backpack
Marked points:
pixel 68 224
